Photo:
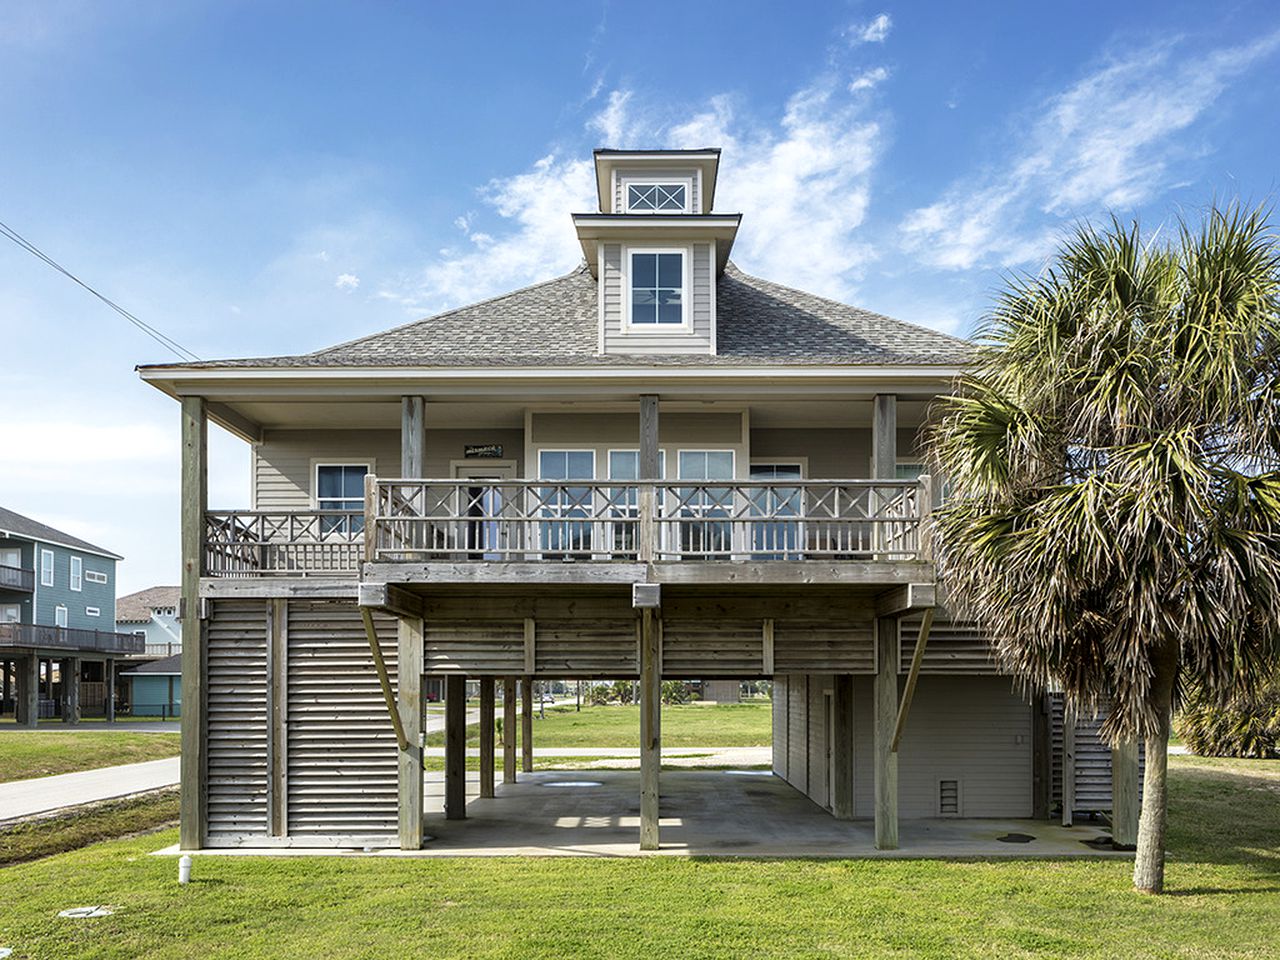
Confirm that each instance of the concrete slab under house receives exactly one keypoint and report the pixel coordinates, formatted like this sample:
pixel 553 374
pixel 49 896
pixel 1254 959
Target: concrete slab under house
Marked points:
pixel 653 467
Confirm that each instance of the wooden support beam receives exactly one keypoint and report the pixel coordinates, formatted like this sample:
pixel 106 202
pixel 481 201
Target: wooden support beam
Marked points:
pixel 886 712
pixel 384 680
pixel 907 598
pixel 109 676
pixel 71 690
pixel 530 646
pixel 1041 757
pixel 1124 795
pixel 195 492
pixel 392 599
pixel 237 423
pixel 526 724
pixel 486 736
pixel 455 747
pixel 509 725
pixel 410 650
pixel 277 714
pixel 413 436
pixel 884 437
pixel 1068 764
pixel 842 747
pixel 766 647
pixel 28 705
pixel 650 465
pixel 913 676
pixel 650 728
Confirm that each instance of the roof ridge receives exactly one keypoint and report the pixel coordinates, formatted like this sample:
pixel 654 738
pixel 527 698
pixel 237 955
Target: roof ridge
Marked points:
pixel 582 265
pixel 845 306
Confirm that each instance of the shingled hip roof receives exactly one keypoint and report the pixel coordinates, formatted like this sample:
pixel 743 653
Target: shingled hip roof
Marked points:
pixel 555 323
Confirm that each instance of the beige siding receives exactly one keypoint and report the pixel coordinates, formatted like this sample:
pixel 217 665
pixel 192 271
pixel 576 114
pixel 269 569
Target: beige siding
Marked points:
pixel 602 432
pixel 696 340
pixel 284 462
pixel 831 453
pixel 779 744
pixel 973 729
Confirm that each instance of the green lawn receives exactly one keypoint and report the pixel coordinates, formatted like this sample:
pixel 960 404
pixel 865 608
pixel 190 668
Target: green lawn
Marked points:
pixel 1224 875
pixel 40 754
pixel 721 725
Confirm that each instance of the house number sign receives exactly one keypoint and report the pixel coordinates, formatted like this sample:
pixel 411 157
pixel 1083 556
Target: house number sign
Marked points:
pixel 489 450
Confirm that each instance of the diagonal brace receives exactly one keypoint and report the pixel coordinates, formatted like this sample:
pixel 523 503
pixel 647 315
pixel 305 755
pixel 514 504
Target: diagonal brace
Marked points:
pixel 916 659
pixel 381 666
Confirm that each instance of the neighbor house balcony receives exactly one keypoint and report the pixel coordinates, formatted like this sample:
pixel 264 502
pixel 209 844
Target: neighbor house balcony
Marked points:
pixel 41 637
pixel 593 523
pixel 17 578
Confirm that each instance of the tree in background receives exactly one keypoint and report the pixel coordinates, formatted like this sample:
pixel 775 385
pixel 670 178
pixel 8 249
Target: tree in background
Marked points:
pixel 1247 725
pixel 1112 463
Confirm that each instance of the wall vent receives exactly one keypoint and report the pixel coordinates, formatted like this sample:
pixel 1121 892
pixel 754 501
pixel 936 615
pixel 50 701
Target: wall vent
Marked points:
pixel 948 798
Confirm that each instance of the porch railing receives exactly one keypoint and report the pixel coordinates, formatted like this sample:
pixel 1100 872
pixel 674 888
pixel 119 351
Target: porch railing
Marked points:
pixel 17 578
pixel 669 520
pixel 255 543
pixel 64 638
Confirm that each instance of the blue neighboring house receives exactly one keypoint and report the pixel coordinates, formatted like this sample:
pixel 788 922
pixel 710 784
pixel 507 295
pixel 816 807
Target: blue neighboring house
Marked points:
pixel 154 687
pixel 58 639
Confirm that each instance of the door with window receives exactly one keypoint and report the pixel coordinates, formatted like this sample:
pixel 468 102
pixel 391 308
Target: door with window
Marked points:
pixel 705 531
pixel 566 528
pixel 775 536
pixel 489 535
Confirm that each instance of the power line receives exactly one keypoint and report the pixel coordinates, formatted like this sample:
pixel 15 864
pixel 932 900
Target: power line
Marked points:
pixel 165 341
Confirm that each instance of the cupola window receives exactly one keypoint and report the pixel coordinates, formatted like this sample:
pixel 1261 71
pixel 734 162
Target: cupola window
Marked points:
pixel 657 198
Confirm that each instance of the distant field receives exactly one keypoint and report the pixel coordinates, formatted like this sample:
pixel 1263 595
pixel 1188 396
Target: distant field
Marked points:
pixel 40 754
pixel 719 725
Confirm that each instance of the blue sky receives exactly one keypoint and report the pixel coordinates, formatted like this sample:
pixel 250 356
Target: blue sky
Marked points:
pixel 257 178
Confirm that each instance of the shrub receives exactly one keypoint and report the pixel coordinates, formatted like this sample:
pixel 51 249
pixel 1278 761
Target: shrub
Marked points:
pixel 675 691
pixel 598 694
pixel 1245 726
pixel 622 691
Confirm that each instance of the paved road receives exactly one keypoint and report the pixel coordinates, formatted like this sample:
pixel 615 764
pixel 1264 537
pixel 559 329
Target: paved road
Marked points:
pixel 26 798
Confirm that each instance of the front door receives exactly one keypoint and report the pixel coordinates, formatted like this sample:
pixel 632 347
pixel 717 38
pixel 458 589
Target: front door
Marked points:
pixel 485 536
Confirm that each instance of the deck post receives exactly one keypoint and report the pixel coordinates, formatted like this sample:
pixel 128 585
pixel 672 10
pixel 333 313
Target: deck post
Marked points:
pixel 413 437
pixel 1068 764
pixel 27 709
pixel 886 717
pixel 842 747
pixel 509 724
pixel 409 666
pixel 649 467
pixel 650 728
pixel 71 690
pixel 455 747
pixel 486 736
pixel 195 493
pixel 1124 794
pixel 526 724
pixel 884 437
pixel 109 676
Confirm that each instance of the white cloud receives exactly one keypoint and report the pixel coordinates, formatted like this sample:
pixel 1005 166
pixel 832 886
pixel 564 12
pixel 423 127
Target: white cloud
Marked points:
pixel 868 79
pixel 874 31
pixel 347 281
pixel 610 122
pixel 1106 142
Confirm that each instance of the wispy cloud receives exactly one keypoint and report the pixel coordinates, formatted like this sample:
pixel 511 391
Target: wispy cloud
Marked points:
pixel 347 281
pixel 1108 141
pixel 875 30
pixel 868 79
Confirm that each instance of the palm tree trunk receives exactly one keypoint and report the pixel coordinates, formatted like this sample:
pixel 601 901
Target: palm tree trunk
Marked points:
pixel 1148 863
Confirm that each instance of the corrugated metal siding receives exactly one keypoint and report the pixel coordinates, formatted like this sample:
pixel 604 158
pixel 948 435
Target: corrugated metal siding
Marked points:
pixel 236 722
pixel 801 645
pixel 342 758
pixel 953 648
pixel 973 729
pixel 695 341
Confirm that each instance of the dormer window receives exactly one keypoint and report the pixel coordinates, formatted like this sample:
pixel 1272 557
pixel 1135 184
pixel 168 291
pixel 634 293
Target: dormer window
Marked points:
pixel 657 198
pixel 656 287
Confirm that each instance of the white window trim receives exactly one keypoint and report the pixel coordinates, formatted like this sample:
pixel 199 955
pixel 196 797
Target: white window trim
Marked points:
pixel 537 462
pixel 60 609
pixel 610 451
pixel 802 462
pixel 93 611
pixel 46 568
pixel 77 575
pixel 729 450
pixel 318 462
pixel 686 292
pixel 95 576
pixel 637 180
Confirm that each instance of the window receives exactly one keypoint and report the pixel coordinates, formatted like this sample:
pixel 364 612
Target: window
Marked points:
pixel 624 503
pixel 92 612
pixel 340 486
pixel 564 504
pixel 779 538
pixel 657 197
pixel 705 504
pixel 59 616
pixel 77 574
pixel 95 576
pixel 657 287
pixel 10 613
pixel 46 568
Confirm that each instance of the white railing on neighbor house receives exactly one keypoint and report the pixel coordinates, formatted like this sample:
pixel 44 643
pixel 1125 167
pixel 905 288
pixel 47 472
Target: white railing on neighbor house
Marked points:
pixel 580 520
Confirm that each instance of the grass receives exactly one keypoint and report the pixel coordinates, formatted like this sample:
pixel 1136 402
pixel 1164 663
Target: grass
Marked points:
pixel 720 725
pixel 39 754
pixel 1224 877
pixel 82 826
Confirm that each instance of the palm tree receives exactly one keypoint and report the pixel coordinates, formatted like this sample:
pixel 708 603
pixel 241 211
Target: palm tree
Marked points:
pixel 1113 518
